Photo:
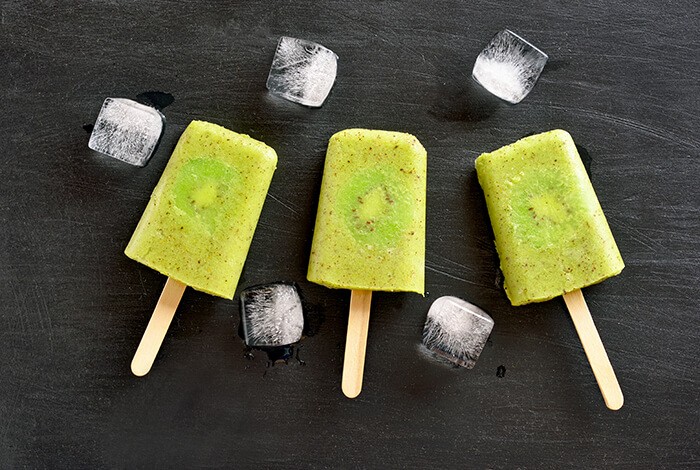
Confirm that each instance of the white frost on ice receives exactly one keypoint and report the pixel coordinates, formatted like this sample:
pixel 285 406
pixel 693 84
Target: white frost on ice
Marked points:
pixel 272 315
pixel 509 66
pixel 126 130
pixel 456 330
pixel 302 71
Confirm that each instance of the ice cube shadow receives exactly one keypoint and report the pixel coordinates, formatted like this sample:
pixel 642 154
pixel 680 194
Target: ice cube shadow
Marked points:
pixel 156 99
pixel 552 66
pixel 465 101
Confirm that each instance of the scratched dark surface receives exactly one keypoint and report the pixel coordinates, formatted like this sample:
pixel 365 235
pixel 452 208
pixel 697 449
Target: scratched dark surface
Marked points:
pixel 622 78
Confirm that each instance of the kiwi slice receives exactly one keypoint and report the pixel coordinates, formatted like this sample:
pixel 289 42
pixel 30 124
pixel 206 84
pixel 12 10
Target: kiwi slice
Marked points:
pixel 545 209
pixel 203 188
pixel 376 207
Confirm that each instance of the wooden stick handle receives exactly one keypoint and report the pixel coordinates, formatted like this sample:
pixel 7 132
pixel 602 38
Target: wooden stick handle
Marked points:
pixel 356 342
pixel 595 351
pixel 157 327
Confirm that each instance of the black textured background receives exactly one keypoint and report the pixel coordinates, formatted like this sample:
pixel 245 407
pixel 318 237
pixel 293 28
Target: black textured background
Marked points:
pixel 622 78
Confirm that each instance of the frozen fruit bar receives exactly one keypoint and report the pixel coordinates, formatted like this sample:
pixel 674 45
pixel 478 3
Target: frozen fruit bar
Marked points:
pixel 551 234
pixel 199 223
pixel 370 226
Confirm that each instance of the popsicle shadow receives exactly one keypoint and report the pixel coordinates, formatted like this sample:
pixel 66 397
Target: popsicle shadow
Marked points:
pixel 483 251
pixel 586 159
pixel 311 220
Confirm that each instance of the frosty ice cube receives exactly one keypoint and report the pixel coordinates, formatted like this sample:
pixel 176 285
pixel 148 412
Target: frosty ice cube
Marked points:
pixel 302 71
pixel 509 66
pixel 272 315
pixel 127 130
pixel 456 330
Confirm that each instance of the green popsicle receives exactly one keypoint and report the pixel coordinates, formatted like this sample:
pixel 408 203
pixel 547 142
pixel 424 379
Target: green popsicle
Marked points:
pixel 370 226
pixel 551 234
pixel 199 223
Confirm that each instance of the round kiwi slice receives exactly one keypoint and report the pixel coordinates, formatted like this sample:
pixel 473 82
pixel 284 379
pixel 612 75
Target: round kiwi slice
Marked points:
pixel 376 208
pixel 541 215
pixel 202 190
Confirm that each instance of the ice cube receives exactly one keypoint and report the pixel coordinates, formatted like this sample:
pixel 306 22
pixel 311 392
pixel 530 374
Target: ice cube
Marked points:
pixel 509 66
pixel 271 315
pixel 127 130
pixel 302 71
pixel 456 330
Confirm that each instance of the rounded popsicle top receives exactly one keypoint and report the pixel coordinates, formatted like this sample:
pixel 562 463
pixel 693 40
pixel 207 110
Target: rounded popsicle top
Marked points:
pixel 355 136
pixel 214 135
pixel 559 137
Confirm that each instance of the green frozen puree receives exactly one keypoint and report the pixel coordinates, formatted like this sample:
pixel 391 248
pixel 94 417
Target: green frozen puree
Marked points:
pixel 370 226
pixel 199 223
pixel 551 234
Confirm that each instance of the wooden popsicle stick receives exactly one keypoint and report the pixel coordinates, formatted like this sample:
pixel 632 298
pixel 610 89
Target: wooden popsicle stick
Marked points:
pixel 595 351
pixel 157 327
pixel 356 342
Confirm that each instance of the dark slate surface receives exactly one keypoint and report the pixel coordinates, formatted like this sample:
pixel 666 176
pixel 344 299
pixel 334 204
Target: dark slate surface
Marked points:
pixel 623 79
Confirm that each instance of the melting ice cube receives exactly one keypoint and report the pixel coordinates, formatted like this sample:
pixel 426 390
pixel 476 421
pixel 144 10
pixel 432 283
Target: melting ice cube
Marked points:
pixel 272 315
pixel 127 130
pixel 302 71
pixel 456 330
pixel 509 66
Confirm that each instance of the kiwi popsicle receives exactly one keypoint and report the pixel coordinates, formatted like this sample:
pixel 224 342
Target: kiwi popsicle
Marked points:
pixel 370 227
pixel 551 234
pixel 199 222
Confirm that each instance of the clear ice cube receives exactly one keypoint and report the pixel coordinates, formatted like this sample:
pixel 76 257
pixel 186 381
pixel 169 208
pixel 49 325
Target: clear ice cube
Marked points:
pixel 127 130
pixel 456 330
pixel 272 315
pixel 302 71
pixel 509 66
